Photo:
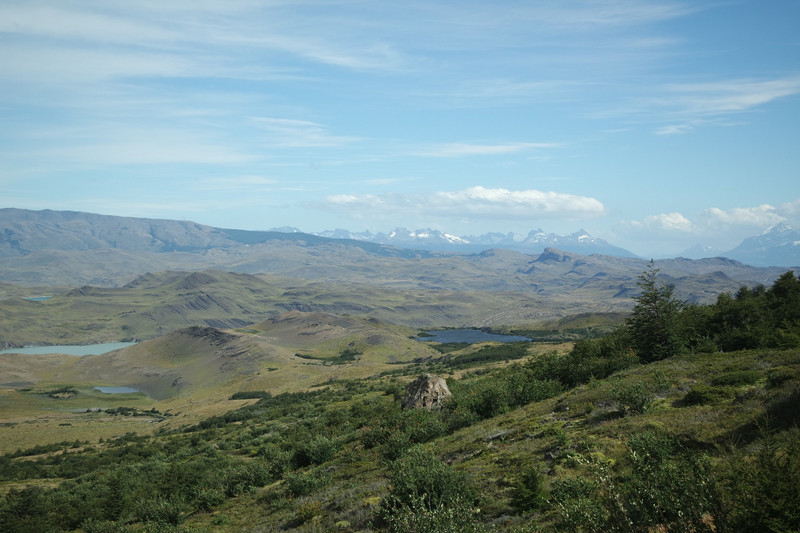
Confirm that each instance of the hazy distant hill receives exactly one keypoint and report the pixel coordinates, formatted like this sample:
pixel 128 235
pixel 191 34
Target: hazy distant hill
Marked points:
pixel 308 273
pixel 23 232
pixel 202 359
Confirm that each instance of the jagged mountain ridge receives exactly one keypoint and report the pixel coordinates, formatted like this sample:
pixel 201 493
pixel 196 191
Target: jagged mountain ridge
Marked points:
pixel 435 240
pixel 52 248
pixel 27 233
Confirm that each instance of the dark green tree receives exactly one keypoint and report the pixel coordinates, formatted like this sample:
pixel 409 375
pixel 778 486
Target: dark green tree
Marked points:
pixel 784 302
pixel 654 326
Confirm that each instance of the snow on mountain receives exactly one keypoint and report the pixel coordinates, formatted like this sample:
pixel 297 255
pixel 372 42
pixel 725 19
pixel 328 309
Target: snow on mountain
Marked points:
pixel 434 240
pixel 779 245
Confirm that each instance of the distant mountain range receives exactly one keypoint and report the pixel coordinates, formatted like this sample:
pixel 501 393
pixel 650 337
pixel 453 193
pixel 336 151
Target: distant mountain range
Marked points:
pixel 778 246
pixel 434 240
pixel 73 248
pixel 86 262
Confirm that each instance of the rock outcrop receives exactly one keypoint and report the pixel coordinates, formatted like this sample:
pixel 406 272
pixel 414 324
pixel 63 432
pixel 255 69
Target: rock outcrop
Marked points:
pixel 426 392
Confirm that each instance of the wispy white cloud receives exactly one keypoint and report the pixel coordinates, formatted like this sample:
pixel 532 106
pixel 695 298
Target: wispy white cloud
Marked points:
pixel 55 22
pixel 691 105
pixel 298 133
pixel 496 203
pixel 466 149
pixel 674 129
pixel 728 96
pixel 229 183
pixel 135 146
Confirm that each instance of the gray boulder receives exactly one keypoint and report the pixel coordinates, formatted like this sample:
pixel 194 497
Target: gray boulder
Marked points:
pixel 426 392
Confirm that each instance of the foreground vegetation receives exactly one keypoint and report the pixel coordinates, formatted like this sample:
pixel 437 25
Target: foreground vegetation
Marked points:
pixel 650 428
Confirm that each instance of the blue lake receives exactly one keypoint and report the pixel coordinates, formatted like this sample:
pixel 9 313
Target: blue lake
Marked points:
pixel 116 390
pixel 89 349
pixel 470 336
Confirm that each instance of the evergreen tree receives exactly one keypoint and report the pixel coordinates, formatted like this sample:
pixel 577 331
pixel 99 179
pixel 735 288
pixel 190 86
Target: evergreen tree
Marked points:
pixel 653 324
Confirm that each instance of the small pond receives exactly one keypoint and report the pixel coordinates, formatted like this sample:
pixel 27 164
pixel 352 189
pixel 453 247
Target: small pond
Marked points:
pixel 470 336
pixel 89 349
pixel 116 390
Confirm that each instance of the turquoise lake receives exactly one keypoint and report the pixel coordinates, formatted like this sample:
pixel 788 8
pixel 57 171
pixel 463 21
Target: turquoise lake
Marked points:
pixel 89 349
pixel 116 390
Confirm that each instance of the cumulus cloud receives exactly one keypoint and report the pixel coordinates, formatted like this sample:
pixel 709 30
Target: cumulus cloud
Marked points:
pixel 720 228
pixel 496 203
pixel 758 217
pixel 663 223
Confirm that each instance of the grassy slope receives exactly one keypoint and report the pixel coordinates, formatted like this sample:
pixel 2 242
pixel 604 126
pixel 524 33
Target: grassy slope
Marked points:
pixel 556 436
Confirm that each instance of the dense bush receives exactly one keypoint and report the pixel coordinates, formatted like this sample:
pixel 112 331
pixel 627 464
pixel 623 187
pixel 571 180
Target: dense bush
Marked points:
pixel 491 353
pixel 528 491
pixel 703 395
pixel 762 491
pixel 495 394
pixel 756 317
pixel 458 516
pixel 738 378
pixel 664 488
pixel 634 397
pixel 588 359
pixel 302 483
pixel 317 450
pixel 147 485
pixel 419 477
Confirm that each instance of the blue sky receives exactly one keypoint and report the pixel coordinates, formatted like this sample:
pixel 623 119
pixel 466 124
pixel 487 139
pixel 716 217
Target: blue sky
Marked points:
pixel 656 125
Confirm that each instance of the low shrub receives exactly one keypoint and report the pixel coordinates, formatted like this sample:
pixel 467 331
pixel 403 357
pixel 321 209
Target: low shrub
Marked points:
pixel 704 395
pixel 419 477
pixel 307 510
pixel 664 489
pixel 304 483
pixel 778 376
pixel 318 450
pixel 458 516
pixel 762 490
pixel 633 398
pixel 159 510
pixel 738 378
